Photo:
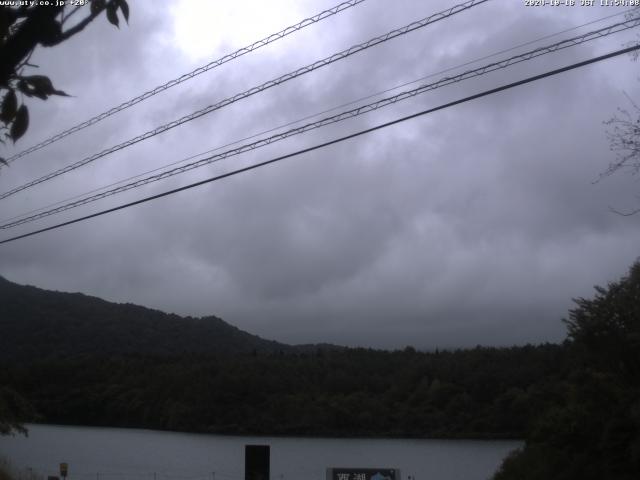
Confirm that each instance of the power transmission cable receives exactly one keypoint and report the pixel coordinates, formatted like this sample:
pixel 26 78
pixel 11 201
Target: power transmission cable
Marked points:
pixel 252 91
pixel 352 102
pixel 344 115
pixel 188 76
pixel 332 142
pixel 615 28
pixel 470 62
pixel 308 117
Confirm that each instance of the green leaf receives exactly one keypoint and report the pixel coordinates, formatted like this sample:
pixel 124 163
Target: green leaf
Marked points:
pixel 61 93
pixel 112 14
pixel 38 86
pixel 124 8
pixel 9 107
pixel 38 93
pixel 35 86
pixel 20 124
pixel 40 83
pixel 24 88
pixel 97 6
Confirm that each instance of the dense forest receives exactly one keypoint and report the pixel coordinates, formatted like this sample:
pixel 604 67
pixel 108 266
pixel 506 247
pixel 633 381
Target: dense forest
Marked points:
pixel 82 360
pixel 73 359
pixel 475 393
pixel 591 429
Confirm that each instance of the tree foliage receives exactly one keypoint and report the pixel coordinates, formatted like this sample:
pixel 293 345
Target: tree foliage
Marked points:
pixel 475 393
pixel 14 410
pixel 592 430
pixel 22 29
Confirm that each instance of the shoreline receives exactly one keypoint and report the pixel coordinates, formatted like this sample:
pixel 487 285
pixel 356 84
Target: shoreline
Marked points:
pixel 286 435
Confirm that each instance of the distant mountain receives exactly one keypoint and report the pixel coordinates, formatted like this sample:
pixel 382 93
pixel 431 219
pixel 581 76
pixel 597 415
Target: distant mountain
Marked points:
pixel 40 324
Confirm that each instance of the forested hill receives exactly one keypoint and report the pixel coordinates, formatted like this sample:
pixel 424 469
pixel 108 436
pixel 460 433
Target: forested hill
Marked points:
pixel 81 360
pixel 41 324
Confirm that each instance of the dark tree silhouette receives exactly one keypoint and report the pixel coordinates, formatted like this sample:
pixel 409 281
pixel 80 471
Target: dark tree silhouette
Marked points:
pixel 624 140
pixel 22 29
pixel 14 410
pixel 592 429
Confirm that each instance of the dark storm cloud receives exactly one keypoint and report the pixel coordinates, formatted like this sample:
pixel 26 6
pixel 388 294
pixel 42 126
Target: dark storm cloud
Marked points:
pixel 476 224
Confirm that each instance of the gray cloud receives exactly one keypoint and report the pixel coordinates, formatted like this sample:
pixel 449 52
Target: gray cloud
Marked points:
pixel 476 224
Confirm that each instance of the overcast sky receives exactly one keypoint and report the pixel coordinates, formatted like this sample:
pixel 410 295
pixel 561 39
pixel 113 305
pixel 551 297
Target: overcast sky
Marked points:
pixel 473 225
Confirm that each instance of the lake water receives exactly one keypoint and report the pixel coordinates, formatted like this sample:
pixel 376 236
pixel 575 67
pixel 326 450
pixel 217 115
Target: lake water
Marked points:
pixel 126 454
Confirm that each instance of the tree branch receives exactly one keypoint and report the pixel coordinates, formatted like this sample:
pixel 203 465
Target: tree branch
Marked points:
pixel 82 24
pixel 32 31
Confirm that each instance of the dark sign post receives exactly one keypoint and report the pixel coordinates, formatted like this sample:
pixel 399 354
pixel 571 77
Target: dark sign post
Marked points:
pixel 363 474
pixel 256 462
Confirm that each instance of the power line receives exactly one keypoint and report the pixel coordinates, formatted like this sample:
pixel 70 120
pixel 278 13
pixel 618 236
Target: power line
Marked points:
pixel 510 49
pixel 615 28
pixel 332 142
pixel 252 91
pixel 352 102
pixel 188 76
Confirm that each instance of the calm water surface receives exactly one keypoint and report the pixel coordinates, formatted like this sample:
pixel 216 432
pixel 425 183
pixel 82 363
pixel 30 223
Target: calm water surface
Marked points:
pixel 125 454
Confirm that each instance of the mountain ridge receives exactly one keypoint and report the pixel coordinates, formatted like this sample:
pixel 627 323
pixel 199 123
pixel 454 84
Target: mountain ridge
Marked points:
pixel 39 323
